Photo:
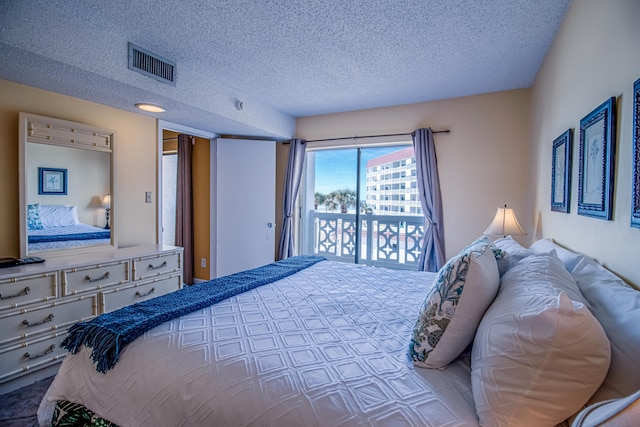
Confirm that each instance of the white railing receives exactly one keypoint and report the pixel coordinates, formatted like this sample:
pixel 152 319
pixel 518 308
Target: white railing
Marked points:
pixel 392 241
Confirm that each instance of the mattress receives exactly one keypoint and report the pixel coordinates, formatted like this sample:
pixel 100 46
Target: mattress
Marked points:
pixel 326 346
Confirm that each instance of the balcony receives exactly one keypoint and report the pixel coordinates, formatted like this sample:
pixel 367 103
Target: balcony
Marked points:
pixel 392 241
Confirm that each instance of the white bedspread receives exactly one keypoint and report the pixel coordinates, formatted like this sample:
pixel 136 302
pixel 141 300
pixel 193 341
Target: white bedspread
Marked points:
pixel 324 347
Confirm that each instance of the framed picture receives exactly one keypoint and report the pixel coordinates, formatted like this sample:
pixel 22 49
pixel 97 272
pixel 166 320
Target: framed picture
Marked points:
pixel 597 161
pixel 561 172
pixel 635 171
pixel 52 181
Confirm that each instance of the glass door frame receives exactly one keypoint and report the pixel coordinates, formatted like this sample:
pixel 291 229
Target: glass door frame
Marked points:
pixel 306 195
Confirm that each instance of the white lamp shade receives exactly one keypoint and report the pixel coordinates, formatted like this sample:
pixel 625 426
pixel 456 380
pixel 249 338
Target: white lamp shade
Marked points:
pixel 505 223
pixel 106 201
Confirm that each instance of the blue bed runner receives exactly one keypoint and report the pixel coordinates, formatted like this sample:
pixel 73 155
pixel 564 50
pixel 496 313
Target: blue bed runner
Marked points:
pixel 66 237
pixel 110 333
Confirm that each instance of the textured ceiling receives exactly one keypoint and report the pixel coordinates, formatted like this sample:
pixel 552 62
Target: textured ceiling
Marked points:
pixel 282 58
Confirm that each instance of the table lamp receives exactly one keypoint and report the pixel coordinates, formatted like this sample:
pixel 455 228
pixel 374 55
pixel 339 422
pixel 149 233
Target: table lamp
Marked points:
pixel 505 223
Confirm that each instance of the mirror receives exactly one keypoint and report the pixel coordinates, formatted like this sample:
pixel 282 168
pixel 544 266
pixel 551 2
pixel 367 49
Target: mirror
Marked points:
pixel 66 187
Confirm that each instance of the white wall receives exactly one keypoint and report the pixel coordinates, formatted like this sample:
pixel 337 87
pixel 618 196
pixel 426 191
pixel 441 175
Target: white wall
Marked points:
pixel 596 55
pixel 482 163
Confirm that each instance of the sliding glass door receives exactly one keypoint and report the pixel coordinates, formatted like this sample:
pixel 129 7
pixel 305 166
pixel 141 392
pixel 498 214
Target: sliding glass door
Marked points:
pixel 361 205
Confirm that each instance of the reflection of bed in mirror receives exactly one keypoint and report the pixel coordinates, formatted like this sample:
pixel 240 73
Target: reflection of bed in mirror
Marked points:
pixel 77 218
pixel 58 227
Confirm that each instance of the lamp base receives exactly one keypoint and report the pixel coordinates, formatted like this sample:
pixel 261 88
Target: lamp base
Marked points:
pixel 106 227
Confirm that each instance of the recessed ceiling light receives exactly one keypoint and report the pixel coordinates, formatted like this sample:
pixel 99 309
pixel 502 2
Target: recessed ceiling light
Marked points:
pixel 151 108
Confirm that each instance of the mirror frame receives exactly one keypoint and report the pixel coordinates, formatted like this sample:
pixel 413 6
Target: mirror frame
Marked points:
pixel 49 131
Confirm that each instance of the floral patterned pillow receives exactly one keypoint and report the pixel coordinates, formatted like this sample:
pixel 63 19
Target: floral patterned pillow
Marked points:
pixel 462 291
pixel 33 217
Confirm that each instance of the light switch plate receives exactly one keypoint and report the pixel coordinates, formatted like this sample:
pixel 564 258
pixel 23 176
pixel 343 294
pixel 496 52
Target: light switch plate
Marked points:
pixel 147 196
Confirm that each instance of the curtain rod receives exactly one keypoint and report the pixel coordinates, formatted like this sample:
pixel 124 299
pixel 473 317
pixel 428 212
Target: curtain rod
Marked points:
pixel 371 136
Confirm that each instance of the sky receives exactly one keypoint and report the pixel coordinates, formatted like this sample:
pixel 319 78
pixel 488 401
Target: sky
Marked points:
pixel 336 169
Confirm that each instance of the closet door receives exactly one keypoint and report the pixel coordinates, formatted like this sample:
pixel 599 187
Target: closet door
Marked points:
pixel 245 204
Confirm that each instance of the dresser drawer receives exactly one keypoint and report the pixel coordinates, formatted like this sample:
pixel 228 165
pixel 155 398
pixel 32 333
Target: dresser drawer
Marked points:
pixel 31 355
pixel 94 277
pixel 25 323
pixel 18 291
pixel 152 266
pixel 118 297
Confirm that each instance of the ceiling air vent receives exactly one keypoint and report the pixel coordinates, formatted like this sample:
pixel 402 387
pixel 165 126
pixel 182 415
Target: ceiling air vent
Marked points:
pixel 151 65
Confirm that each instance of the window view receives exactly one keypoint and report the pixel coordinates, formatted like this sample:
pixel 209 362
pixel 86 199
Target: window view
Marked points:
pixel 169 188
pixel 361 205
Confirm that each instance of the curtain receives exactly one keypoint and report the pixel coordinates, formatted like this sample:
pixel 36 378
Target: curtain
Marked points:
pixel 184 206
pixel 432 254
pixel 292 178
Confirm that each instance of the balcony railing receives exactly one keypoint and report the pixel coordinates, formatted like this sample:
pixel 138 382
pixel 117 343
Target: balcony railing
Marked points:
pixel 392 241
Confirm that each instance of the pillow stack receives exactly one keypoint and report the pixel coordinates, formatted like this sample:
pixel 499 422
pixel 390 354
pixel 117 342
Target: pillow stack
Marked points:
pixel 58 215
pixel 538 354
pixel 511 252
pixel 462 291
pixel 616 305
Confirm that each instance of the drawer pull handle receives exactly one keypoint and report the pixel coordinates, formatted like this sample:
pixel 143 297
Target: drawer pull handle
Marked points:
pixel 44 353
pixel 25 291
pixel 139 295
pixel 97 279
pixel 49 318
pixel 155 267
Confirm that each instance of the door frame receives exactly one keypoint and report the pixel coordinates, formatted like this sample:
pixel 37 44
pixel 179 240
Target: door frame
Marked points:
pixel 175 127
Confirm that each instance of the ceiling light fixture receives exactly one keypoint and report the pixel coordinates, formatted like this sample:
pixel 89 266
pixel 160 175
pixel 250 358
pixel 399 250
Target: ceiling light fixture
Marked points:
pixel 151 108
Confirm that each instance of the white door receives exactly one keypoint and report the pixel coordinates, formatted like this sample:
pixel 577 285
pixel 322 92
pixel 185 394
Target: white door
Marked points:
pixel 245 204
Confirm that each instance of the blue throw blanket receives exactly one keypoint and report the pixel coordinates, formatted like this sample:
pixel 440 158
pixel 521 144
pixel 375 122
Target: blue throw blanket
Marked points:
pixel 110 333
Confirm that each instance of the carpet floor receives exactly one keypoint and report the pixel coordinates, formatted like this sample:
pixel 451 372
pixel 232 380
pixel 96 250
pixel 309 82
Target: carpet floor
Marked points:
pixel 19 408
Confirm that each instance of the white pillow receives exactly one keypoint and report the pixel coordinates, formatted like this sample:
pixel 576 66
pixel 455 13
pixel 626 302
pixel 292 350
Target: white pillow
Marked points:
pixel 624 412
pixel 502 259
pixel 462 291
pixel 538 355
pixel 516 251
pixel 58 215
pixel 569 259
pixel 616 305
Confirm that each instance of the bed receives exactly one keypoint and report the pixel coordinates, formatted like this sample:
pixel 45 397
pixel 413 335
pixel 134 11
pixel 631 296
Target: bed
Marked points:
pixel 336 344
pixel 57 227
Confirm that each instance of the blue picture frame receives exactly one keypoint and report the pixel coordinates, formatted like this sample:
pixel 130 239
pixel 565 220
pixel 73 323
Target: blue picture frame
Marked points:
pixel 561 172
pixel 597 161
pixel 635 186
pixel 52 181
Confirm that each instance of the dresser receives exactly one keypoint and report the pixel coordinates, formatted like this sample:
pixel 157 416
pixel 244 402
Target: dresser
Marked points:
pixel 39 302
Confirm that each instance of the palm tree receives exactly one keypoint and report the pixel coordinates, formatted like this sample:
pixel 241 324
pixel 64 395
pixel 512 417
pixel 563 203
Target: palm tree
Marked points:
pixel 364 208
pixel 320 199
pixel 330 202
pixel 345 198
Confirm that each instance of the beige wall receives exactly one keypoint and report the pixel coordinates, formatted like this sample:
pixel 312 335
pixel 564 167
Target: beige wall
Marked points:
pixel 201 203
pixel 136 159
pixel 596 55
pixel 482 163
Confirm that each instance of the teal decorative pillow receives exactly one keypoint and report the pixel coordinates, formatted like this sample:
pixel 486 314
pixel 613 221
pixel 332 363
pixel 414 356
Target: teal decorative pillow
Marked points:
pixel 462 291
pixel 33 217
